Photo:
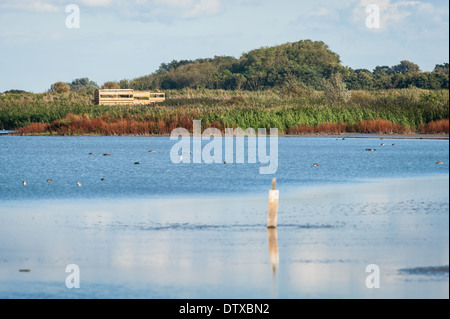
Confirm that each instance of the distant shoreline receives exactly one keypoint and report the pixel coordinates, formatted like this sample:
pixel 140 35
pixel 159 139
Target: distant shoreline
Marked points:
pixel 345 135
pixel 394 112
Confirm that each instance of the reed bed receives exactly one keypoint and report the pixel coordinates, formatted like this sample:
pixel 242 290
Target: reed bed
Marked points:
pixel 381 112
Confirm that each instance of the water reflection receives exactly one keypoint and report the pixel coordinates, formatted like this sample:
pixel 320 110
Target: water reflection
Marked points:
pixel 273 255
pixel 160 248
pixel 273 248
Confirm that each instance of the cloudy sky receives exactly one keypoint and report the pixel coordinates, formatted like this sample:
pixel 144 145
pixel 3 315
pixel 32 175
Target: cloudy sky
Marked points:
pixel 124 39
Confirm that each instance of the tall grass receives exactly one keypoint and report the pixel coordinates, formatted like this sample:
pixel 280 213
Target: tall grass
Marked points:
pixel 393 111
pixel 436 127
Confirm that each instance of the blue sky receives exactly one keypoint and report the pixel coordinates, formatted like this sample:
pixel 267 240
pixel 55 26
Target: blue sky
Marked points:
pixel 120 39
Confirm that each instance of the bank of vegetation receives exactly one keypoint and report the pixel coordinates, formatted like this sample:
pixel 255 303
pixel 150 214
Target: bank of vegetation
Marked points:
pixel 391 111
pixel 299 88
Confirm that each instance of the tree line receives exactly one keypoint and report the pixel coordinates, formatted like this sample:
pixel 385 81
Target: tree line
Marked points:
pixel 306 64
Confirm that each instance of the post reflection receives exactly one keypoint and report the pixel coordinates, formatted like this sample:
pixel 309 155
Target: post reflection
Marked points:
pixel 273 255
pixel 273 248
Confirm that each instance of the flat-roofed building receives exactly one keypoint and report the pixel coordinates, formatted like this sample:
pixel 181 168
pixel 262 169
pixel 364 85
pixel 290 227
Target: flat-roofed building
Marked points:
pixel 127 97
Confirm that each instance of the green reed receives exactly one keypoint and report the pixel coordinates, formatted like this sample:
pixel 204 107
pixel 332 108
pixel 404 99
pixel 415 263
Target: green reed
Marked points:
pixel 261 109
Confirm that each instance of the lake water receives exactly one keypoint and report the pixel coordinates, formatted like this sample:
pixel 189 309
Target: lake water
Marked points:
pixel 165 230
pixel 66 160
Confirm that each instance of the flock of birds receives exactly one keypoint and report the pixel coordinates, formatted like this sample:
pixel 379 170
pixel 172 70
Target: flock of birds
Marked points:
pixel 373 150
pixel 24 183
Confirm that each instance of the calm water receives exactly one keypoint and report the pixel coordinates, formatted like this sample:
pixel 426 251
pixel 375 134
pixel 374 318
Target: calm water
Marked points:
pixel 66 160
pixel 164 230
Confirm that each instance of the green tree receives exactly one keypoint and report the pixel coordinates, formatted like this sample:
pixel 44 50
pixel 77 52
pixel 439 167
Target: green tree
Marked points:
pixel 420 80
pixel 110 85
pixel 83 85
pixel 293 87
pixel 194 75
pixel 308 62
pixel 366 80
pixel 359 79
pixel 335 89
pixel 441 68
pixel 239 81
pixel 406 66
pixel 439 80
pixel 15 91
pixel 60 87
pixel 124 84
pixel 382 70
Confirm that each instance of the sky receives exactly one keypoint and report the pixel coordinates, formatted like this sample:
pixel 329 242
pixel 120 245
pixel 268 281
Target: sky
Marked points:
pixel 41 42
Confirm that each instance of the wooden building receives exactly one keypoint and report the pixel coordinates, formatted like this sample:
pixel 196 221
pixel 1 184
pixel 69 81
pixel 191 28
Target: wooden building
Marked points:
pixel 127 97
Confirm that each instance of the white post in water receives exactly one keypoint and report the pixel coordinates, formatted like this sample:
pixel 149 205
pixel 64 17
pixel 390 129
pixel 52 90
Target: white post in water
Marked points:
pixel 273 206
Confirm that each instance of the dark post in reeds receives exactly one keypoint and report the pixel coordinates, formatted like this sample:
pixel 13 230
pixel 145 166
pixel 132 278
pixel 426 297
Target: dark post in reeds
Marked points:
pixel 273 206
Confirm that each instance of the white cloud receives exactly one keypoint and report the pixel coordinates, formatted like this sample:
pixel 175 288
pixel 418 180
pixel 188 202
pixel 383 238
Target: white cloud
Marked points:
pixel 189 8
pixel 407 22
pixel 35 6
pixel 44 7
pixel 162 10
pixel 392 13
pixel 319 17
pixel 396 12
pixel 175 3
pixel 320 12
pixel 202 8
pixel 97 3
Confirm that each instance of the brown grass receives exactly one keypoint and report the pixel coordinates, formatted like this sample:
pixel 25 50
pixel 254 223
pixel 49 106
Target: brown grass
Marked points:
pixel 380 126
pixel 377 126
pixel 33 128
pixel 82 124
pixel 323 128
pixel 436 127
pixel 74 124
